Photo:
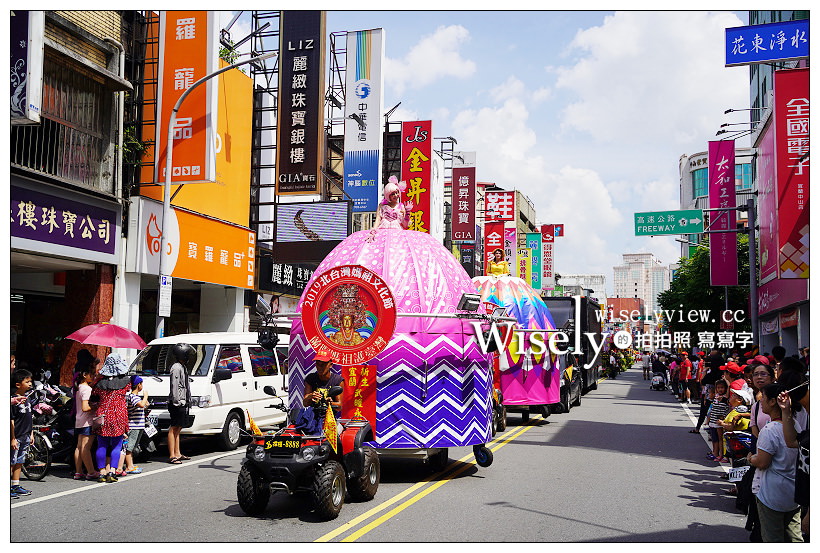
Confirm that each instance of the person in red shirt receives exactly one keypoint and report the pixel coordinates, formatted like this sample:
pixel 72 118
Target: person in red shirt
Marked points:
pixel 686 379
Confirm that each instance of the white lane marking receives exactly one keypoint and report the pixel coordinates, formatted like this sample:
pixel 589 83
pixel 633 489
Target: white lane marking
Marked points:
pixel 192 462
pixel 705 436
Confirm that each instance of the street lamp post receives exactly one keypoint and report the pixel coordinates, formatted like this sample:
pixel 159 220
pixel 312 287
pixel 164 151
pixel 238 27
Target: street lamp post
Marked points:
pixel 166 188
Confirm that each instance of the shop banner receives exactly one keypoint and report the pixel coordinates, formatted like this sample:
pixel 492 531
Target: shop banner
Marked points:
pixel 722 246
pixel 524 265
pixel 789 318
pixel 359 395
pixel 188 51
pixel 27 30
pixel 780 293
pixel 493 239
pixel 791 120
pixel 767 205
pixel 548 233
pixel 534 245
pixel 300 135
pixel 416 171
pixel 547 267
pixel 500 206
pixel 558 230
pixel 284 278
pixel 511 249
pixel 766 43
pixel 467 258
pixel 464 203
pixel 199 248
pixel 51 223
pixel 364 90
pixel 771 326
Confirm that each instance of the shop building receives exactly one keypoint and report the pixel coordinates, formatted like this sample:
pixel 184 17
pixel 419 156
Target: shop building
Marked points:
pixel 66 187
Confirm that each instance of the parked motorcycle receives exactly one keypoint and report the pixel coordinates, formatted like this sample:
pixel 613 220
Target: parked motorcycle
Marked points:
pixel 54 439
pixel 291 461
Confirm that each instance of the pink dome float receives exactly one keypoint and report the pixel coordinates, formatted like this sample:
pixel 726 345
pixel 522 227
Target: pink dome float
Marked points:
pixel 434 383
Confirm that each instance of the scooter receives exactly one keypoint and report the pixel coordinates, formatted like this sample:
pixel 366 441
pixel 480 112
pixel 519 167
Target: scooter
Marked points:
pixel 291 461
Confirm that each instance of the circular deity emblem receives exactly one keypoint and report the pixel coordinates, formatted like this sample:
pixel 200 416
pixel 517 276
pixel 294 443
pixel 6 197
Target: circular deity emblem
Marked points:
pixel 349 312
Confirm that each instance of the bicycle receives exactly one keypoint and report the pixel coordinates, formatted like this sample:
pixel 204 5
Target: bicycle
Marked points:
pixel 38 458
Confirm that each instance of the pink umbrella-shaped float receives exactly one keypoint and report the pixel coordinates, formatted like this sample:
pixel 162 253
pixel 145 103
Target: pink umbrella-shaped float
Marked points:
pixel 106 334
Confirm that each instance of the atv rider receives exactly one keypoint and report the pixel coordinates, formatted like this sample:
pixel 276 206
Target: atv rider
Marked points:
pixel 322 378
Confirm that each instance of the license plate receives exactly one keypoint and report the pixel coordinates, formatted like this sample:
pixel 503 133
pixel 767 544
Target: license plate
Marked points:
pixel 282 445
pixel 736 474
pixel 150 430
pixel 153 419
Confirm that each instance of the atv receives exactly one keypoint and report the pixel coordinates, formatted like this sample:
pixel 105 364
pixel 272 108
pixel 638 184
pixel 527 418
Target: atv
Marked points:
pixel 291 461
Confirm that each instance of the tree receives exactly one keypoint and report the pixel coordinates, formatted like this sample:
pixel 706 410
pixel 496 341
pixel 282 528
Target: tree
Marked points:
pixel 691 291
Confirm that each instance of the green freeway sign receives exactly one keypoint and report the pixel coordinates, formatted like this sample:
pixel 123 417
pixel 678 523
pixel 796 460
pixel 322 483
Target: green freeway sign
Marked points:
pixel 653 223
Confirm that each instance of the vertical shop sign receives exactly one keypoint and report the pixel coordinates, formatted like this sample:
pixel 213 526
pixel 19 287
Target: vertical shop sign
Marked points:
pixel 467 258
pixel 791 120
pixel 464 202
pixel 300 132
pixel 558 230
pixel 493 239
pixel 511 249
pixel 524 265
pixel 364 90
pixel 188 51
pixel 722 245
pixel 534 245
pixel 416 165
pixel 767 205
pixel 27 31
pixel 547 264
pixel 500 206
pixel 359 395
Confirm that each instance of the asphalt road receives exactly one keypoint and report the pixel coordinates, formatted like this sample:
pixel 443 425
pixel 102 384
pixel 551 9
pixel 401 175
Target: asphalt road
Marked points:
pixel 620 468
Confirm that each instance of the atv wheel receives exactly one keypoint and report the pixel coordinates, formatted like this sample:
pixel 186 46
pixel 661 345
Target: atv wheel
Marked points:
pixel 329 490
pixel 364 487
pixel 252 492
pixel 483 456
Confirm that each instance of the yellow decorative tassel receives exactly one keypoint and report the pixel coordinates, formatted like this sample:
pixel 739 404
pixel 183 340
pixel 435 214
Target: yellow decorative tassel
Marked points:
pixel 252 424
pixel 329 428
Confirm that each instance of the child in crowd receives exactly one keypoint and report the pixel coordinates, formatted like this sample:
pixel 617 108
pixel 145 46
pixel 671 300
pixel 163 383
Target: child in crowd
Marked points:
pixel 82 425
pixel 738 417
pixel 137 401
pixel 22 429
pixel 717 412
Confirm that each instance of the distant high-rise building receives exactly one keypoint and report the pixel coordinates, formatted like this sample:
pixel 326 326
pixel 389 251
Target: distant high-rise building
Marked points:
pixel 641 276
pixel 596 283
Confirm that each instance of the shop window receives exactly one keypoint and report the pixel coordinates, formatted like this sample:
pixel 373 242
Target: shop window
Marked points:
pixel 700 182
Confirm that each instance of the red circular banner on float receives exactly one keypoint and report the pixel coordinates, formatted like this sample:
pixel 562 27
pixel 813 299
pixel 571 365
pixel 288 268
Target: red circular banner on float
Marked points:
pixel 349 313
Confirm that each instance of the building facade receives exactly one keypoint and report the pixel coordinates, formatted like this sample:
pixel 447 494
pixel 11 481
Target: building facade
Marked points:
pixel 595 283
pixel 641 276
pixel 66 181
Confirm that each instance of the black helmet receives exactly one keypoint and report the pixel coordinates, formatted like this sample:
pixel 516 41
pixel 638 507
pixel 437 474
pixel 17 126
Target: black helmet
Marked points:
pixel 182 351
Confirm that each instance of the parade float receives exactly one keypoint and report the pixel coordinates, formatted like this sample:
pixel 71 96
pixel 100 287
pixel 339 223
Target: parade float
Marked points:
pixel 524 380
pixel 390 308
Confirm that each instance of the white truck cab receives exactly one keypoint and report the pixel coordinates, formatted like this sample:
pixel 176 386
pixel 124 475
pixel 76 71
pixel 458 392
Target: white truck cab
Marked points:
pixel 226 375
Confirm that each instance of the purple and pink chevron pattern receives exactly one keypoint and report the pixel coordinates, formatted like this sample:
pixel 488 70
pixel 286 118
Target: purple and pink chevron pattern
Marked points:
pixel 434 385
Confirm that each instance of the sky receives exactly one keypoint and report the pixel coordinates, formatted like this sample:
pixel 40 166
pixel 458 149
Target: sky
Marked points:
pixel 585 112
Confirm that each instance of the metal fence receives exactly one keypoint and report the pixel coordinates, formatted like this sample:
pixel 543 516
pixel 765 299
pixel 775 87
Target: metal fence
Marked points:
pixel 74 133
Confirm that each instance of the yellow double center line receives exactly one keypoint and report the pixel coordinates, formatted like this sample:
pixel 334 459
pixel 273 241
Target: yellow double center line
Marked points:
pixel 461 465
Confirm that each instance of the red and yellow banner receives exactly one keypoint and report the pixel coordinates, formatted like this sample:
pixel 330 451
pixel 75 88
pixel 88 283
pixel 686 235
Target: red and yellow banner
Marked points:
pixel 359 397
pixel 493 239
pixel 416 166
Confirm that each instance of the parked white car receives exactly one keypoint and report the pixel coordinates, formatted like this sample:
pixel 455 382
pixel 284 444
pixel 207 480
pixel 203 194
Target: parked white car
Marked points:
pixel 227 376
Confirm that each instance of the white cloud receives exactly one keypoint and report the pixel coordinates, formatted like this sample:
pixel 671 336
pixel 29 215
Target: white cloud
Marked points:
pixel 652 76
pixel 434 57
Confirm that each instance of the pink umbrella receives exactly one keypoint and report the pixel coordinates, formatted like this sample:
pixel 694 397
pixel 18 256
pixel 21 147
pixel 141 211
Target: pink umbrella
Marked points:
pixel 106 334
